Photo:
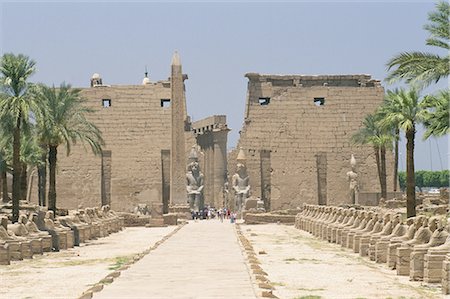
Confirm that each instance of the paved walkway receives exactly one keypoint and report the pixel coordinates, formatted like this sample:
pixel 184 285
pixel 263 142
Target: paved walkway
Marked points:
pixel 202 260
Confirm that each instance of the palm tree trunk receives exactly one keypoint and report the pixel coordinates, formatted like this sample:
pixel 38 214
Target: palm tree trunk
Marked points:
pixel 52 180
pixel 383 183
pixel 16 170
pixel 376 150
pixel 410 176
pixel 4 178
pixel 42 178
pixel 397 136
pixel 23 182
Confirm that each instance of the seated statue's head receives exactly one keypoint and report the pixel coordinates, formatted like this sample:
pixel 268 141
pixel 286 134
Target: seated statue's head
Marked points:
pixel 241 168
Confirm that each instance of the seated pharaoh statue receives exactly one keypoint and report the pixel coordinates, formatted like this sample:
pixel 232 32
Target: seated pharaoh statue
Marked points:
pixel 194 182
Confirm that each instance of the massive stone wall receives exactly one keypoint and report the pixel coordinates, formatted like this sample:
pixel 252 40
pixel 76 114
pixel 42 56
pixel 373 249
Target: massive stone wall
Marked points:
pixel 136 128
pixel 134 167
pixel 301 126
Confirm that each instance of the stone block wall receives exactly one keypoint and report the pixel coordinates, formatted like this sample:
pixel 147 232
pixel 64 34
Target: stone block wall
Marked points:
pixel 135 128
pixel 305 121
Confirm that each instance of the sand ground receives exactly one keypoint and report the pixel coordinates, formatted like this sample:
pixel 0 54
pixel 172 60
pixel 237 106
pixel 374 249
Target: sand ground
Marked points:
pixel 204 260
pixel 299 265
pixel 68 273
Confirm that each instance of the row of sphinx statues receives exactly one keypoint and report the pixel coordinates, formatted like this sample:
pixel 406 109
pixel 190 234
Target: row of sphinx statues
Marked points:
pixel 40 232
pixel 417 246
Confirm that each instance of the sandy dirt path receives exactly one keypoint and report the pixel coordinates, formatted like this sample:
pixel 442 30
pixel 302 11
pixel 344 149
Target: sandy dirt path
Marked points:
pixel 299 265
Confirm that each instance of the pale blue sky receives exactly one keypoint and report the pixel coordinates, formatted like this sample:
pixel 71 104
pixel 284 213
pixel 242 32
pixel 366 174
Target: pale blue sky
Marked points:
pixel 218 44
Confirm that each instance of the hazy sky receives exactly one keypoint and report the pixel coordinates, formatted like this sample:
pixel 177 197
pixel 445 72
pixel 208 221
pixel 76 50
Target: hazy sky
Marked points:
pixel 218 43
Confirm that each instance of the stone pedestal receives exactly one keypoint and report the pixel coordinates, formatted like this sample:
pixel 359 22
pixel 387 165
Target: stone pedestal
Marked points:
pixel 70 239
pixel 392 254
pixel 4 254
pixel 182 211
pixel 26 250
pixel 36 246
pixel 416 264
pixel 381 251
pixel 156 219
pixel 170 219
pixel 364 244
pixel 446 276
pixel 434 262
pixel 15 251
pixel 350 239
pixel 158 222
pixel 46 243
pixel 403 259
pixel 344 236
pixel 373 242
pixel 356 242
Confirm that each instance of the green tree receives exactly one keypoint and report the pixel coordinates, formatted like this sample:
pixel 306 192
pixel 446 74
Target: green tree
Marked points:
pixel 437 119
pixel 406 111
pixel 63 121
pixel 444 178
pixel 420 179
pixel 421 67
pixel 402 179
pixel 15 101
pixel 371 133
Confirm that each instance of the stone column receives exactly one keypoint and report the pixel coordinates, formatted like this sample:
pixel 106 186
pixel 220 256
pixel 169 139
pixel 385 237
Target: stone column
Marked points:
pixel 177 152
pixel 220 164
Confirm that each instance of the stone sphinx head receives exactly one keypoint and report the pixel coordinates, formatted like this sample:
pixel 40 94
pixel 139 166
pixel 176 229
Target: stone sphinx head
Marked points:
pixel 50 215
pixel 397 219
pixel 410 221
pixel 33 217
pixel 434 223
pixel 425 222
pixel 418 221
pixel 4 222
pixel 23 219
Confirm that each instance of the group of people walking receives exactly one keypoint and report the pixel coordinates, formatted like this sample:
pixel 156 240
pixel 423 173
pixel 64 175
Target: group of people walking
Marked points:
pixel 210 213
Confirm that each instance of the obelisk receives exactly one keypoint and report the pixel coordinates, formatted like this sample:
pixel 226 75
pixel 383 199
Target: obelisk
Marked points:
pixel 177 151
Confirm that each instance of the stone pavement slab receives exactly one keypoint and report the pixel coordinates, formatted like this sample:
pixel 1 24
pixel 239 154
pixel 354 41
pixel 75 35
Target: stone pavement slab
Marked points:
pixel 202 260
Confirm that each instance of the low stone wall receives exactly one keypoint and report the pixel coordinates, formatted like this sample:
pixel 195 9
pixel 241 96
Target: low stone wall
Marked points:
pixel 133 219
pixel 261 218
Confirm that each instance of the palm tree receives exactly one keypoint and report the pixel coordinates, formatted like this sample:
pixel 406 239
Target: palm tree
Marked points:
pixel 406 110
pixel 387 105
pixel 64 122
pixel 30 153
pixel 15 71
pixel 437 119
pixel 422 67
pixel 371 133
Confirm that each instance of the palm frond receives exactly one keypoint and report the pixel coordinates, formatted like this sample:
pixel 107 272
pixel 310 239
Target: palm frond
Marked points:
pixel 418 67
